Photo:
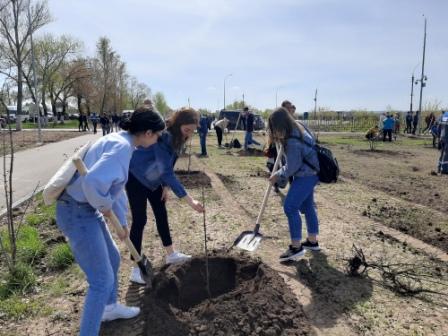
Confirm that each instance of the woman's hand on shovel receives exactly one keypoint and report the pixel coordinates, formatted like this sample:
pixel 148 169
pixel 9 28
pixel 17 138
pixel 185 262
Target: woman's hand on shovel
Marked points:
pixel 124 232
pixel 273 179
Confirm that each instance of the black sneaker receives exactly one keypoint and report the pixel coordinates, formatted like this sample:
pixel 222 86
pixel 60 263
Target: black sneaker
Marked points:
pixel 292 253
pixel 307 245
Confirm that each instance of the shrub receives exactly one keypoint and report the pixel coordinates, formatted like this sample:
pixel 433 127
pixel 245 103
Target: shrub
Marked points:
pixel 61 257
pixel 20 279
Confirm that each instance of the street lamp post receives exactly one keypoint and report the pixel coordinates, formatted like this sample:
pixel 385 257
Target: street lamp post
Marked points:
pixel 225 78
pixel 422 81
pixel 413 82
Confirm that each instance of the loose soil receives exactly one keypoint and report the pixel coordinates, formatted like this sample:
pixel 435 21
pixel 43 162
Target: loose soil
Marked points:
pixel 410 197
pixel 247 298
pixel 193 179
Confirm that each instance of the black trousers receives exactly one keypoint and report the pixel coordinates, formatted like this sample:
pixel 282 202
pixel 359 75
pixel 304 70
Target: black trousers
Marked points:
pixel 387 132
pixel 219 134
pixel 138 196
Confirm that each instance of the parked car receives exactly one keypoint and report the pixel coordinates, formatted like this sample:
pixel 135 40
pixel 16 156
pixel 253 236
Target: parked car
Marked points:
pixel 232 115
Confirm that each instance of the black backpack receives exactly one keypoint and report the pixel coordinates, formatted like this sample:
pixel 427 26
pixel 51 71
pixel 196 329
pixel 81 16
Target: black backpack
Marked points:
pixel 235 144
pixel 329 167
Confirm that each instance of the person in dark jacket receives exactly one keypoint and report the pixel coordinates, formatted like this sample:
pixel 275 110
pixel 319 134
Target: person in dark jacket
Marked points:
pixel 409 119
pixel 285 131
pixel 415 123
pixel 94 119
pixel 151 175
pixel 248 139
pixel 105 124
pixel 80 122
pixel 202 131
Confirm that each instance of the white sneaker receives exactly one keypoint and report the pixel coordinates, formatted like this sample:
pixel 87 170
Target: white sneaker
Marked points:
pixel 119 311
pixel 177 258
pixel 136 276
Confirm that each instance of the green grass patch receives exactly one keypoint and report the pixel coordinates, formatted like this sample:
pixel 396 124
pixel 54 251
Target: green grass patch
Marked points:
pixel 58 287
pixel 20 280
pixel 60 257
pixel 17 308
pixel 34 219
pixel 30 246
pixel 68 124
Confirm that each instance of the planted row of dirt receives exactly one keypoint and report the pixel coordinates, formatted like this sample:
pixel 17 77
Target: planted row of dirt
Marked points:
pixel 411 196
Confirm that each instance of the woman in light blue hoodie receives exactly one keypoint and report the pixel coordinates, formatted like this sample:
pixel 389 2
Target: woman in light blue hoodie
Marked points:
pixel 302 167
pixel 81 209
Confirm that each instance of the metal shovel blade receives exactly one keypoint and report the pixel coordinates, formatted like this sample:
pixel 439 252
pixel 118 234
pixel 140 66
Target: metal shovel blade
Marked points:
pixel 146 270
pixel 249 240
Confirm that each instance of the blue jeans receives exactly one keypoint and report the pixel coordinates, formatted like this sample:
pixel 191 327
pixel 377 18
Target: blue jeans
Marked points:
pixel 300 198
pixel 203 139
pixel 248 140
pixel 96 254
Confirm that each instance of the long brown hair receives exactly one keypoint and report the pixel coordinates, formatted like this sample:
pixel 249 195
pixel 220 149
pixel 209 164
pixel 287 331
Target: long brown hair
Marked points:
pixel 281 124
pixel 185 116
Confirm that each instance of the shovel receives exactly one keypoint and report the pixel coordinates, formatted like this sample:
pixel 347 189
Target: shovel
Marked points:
pixel 140 260
pixel 250 240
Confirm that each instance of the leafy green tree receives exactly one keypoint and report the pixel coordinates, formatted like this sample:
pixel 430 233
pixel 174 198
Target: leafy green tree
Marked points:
pixel 161 104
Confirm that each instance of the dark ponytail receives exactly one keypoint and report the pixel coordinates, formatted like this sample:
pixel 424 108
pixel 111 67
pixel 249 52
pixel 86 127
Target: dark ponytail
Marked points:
pixel 142 120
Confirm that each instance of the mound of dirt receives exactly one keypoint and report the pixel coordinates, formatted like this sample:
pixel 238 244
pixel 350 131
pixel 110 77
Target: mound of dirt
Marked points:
pixel 193 179
pixel 385 152
pixel 250 152
pixel 247 298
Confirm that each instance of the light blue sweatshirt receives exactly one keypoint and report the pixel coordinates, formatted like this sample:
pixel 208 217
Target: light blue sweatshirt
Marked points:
pixel 107 162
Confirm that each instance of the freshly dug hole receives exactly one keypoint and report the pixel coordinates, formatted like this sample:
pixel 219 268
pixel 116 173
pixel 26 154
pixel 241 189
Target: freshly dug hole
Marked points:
pixel 193 179
pixel 248 298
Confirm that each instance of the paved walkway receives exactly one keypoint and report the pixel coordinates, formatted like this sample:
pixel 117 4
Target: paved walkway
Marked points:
pixel 37 165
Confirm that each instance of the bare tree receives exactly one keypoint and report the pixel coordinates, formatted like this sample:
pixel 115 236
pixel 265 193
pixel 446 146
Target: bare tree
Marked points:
pixel 16 28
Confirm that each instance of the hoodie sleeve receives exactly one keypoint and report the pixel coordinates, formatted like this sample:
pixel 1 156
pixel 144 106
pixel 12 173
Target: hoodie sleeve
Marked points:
pixel 293 159
pixel 170 179
pixel 110 170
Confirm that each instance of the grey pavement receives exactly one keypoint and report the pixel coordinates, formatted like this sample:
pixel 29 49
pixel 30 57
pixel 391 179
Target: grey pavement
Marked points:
pixel 37 165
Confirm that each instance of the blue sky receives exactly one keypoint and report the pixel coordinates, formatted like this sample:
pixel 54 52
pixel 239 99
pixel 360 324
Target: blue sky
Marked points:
pixel 358 53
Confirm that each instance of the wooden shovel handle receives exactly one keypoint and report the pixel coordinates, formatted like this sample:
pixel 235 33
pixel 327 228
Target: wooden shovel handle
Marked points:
pixel 269 187
pixel 113 220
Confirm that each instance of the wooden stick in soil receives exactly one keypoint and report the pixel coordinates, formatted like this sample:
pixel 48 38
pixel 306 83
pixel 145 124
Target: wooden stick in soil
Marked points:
pixel 207 274
pixel 189 157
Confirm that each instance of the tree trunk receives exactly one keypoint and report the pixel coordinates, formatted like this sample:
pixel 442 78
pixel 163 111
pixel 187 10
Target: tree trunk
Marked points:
pixel 79 101
pixel 19 97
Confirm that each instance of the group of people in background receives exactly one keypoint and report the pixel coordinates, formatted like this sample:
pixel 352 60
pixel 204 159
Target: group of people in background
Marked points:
pixel 108 123
pixel 389 125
